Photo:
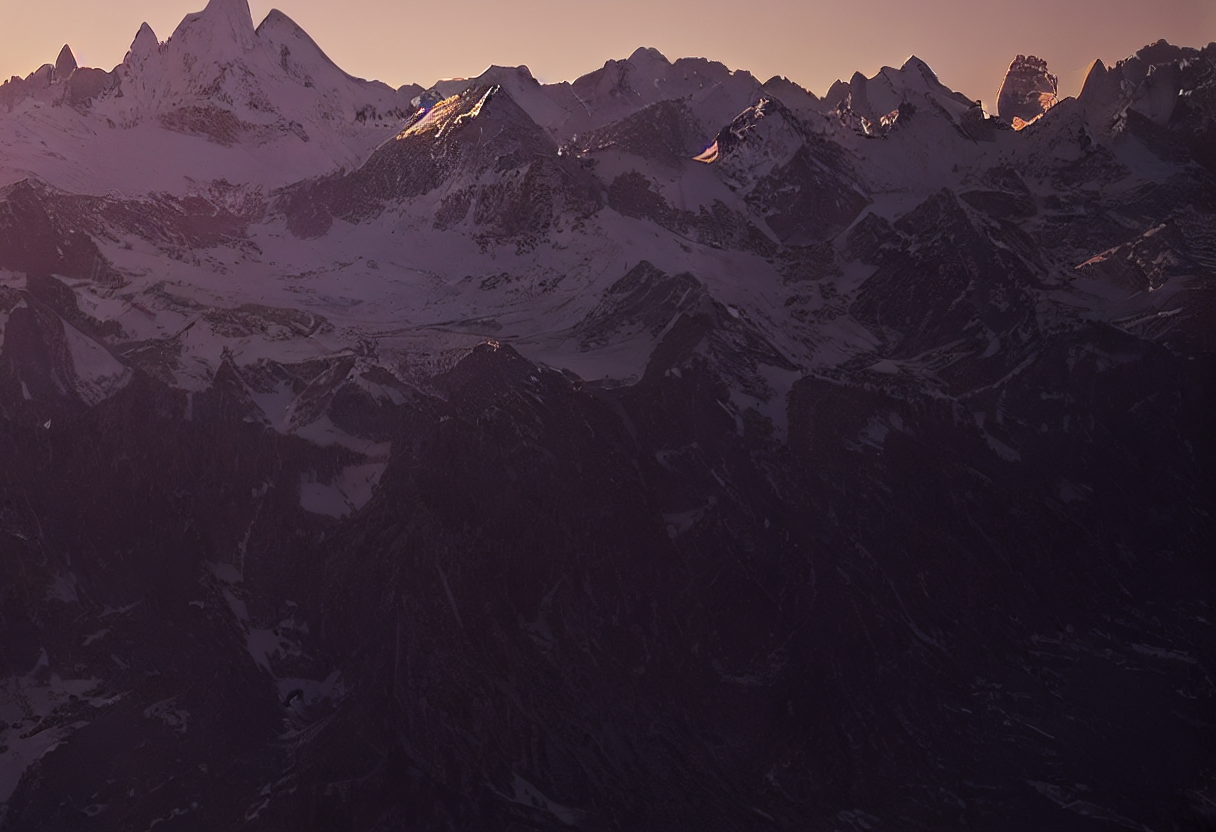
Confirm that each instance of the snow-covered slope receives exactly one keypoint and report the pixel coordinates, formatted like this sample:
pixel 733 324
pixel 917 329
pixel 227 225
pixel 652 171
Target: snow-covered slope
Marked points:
pixel 504 208
pixel 217 100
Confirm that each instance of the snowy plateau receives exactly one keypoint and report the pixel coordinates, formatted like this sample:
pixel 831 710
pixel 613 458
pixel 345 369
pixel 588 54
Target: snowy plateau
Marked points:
pixel 666 449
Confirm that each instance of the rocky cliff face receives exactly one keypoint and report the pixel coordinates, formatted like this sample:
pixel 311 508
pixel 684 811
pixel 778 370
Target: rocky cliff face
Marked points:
pixel 1027 92
pixel 662 450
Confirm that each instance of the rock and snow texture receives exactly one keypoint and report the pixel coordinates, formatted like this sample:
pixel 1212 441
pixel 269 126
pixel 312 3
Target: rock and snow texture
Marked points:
pixel 510 440
pixel 1027 92
pixel 218 100
pixel 498 208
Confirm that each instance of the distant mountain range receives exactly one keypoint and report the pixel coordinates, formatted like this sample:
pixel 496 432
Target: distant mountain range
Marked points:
pixel 665 449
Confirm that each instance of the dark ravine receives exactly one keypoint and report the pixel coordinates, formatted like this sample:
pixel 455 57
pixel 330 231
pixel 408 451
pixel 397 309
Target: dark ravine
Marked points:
pixel 959 576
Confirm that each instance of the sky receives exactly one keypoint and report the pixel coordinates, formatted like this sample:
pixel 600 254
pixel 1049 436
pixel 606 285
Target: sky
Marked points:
pixel 969 43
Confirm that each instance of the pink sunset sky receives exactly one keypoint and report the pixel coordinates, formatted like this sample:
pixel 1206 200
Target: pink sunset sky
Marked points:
pixel 969 43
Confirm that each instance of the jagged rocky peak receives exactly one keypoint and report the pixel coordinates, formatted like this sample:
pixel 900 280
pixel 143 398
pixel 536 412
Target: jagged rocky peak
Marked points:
pixel 66 62
pixel 1027 92
pixel 887 90
pixel 1162 83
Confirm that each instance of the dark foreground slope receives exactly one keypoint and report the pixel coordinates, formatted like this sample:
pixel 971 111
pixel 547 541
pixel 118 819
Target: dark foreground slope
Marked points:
pixel 622 609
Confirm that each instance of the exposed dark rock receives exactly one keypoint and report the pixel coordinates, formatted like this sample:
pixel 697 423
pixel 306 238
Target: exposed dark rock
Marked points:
pixel 65 64
pixel 1027 92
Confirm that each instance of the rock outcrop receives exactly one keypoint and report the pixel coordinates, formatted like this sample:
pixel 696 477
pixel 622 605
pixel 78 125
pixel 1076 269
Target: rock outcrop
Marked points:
pixel 1027 92
pixel 66 62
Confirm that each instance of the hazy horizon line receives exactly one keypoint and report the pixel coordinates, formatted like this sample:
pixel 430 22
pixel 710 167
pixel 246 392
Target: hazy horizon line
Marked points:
pixel 1070 77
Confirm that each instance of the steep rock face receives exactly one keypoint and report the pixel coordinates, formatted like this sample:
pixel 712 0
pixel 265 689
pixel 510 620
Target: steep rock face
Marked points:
pixel 1162 95
pixel 54 83
pixel 513 188
pixel 35 239
pixel 554 107
pixel 790 176
pixel 1027 91
pixel 794 96
pixel 66 62
pixel 667 132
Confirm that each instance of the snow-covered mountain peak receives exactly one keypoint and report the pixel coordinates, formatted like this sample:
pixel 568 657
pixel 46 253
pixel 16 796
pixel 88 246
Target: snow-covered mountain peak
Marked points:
pixel 222 25
pixel 761 139
pixel 144 44
pixel 1153 84
pixel 497 74
pixel 218 100
pixel 914 67
pixel 716 93
pixel 290 47
pixel 872 106
pixel 917 78
pixel 276 19
pixel 645 56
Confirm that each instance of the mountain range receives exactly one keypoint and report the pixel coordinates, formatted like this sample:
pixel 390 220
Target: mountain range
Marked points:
pixel 664 449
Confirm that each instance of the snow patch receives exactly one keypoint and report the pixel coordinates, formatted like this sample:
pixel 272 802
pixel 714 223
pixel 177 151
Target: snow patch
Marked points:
pixel 526 794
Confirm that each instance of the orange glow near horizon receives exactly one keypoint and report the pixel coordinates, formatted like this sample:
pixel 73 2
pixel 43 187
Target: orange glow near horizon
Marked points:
pixel 811 44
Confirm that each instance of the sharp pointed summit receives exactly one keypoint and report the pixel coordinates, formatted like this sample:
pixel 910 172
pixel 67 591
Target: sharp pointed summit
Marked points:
pixel 144 44
pixel 1095 80
pixel 66 62
pixel 917 68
